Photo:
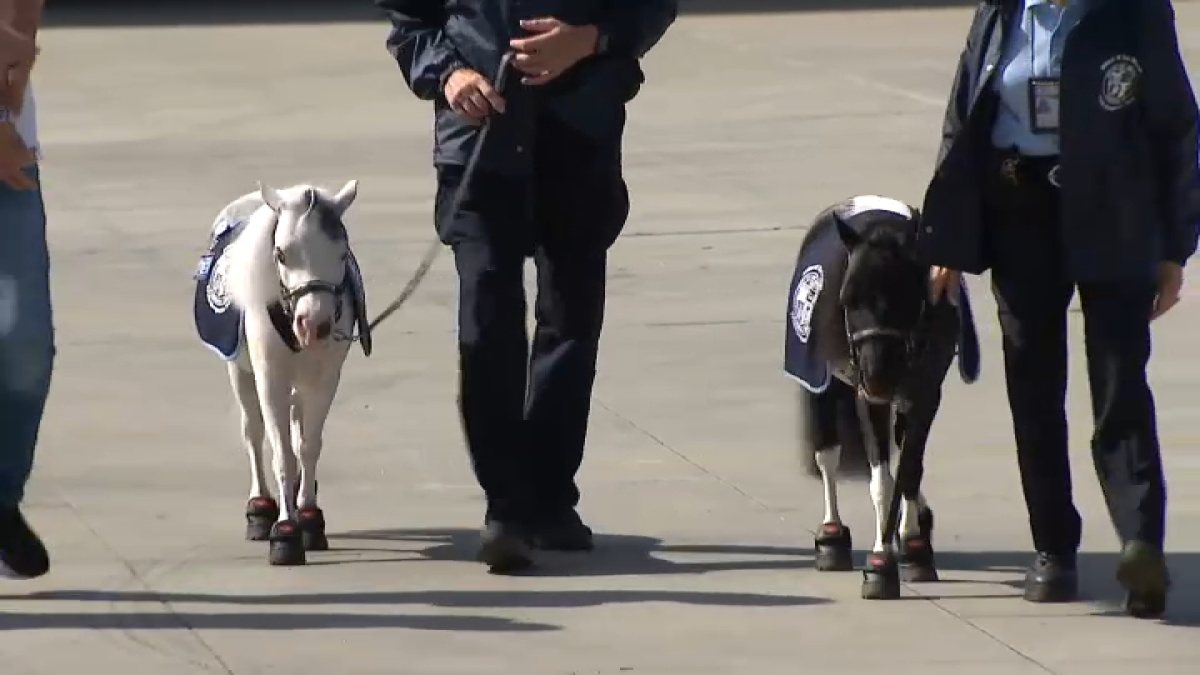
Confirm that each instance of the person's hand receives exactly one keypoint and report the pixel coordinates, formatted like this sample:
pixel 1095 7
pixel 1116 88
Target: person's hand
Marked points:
pixel 15 156
pixel 15 47
pixel 13 86
pixel 1170 287
pixel 553 50
pixel 471 95
pixel 943 282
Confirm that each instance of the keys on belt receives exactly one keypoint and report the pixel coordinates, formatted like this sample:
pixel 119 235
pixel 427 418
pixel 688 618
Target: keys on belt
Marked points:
pixel 1017 170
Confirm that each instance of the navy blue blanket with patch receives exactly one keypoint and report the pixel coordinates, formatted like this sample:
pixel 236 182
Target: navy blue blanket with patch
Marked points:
pixel 218 320
pixel 816 281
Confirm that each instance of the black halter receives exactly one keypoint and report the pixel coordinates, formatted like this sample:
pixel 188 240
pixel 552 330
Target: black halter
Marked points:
pixel 914 342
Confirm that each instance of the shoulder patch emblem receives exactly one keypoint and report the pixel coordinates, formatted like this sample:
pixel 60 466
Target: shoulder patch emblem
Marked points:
pixel 1119 82
pixel 216 291
pixel 804 300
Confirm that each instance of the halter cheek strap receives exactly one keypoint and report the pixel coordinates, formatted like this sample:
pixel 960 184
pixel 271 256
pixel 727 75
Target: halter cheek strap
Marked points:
pixel 279 319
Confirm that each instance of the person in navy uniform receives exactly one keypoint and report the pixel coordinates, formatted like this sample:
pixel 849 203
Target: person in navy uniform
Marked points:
pixel 1067 162
pixel 549 185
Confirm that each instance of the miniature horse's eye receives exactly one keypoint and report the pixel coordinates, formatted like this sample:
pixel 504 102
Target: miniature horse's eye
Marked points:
pixel 279 255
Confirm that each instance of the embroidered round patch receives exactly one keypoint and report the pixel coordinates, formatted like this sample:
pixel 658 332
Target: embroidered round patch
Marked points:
pixel 216 292
pixel 1119 81
pixel 804 300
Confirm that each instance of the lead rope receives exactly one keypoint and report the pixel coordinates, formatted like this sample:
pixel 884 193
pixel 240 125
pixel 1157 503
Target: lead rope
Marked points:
pixel 435 246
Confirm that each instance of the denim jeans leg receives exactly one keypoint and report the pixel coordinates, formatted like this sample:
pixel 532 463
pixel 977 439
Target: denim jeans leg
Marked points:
pixel 27 347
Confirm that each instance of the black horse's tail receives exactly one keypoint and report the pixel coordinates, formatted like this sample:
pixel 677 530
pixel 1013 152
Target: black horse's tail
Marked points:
pixel 831 418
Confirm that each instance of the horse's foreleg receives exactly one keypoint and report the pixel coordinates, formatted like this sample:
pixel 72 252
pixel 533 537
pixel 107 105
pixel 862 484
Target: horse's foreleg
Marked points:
pixel 261 509
pixel 273 377
pixel 314 402
pixel 916 524
pixel 881 577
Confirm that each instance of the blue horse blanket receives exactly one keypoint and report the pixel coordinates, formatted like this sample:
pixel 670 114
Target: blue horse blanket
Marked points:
pixel 817 278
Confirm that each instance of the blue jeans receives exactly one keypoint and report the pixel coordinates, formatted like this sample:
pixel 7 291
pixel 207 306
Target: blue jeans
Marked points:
pixel 26 334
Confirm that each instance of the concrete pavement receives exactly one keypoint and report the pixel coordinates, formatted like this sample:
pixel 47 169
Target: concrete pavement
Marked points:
pixel 748 125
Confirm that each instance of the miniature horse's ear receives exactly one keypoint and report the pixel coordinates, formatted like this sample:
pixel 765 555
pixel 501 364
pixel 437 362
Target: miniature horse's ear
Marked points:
pixel 345 197
pixel 270 197
pixel 849 237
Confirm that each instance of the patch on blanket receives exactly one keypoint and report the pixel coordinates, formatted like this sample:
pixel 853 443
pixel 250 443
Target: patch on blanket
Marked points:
pixel 218 320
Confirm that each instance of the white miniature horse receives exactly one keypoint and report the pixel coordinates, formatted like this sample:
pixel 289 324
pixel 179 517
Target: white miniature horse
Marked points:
pixel 279 279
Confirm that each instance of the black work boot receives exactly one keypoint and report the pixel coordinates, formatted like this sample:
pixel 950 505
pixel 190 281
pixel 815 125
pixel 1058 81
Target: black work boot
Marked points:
pixel 1052 578
pixel 1142 571
pixel 564 532
pixel 504 547
pixel 22 553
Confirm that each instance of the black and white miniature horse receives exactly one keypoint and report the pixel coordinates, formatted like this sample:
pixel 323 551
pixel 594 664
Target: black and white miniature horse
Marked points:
pixel 871 352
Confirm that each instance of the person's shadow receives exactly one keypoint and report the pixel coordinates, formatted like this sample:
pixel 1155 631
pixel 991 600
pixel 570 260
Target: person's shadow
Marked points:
pixel 618 555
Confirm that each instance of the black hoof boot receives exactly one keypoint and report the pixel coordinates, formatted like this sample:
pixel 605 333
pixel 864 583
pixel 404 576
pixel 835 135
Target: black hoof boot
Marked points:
pixel 916 560
pixel 925 523
pixel 881 577
pixel 261 513
pixel 312 529
pixel 287 544
pixel 916 553
pixel 834 549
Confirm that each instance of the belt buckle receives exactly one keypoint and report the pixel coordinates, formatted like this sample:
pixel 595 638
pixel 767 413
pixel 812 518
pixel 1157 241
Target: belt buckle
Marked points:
pixel 1052 176
pixel 1008 169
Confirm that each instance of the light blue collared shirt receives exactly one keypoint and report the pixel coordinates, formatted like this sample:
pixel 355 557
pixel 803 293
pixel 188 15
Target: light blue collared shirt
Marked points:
pixel 1033 49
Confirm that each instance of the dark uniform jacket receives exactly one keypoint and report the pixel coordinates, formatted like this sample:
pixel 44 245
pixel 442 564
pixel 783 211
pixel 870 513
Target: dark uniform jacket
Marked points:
pixel 432 38
pixel 1128 120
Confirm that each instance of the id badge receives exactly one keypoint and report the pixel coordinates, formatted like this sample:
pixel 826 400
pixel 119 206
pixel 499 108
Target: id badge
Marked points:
pixel 1043 105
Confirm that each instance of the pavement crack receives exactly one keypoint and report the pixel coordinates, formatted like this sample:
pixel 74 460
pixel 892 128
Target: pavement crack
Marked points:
pixel 223 666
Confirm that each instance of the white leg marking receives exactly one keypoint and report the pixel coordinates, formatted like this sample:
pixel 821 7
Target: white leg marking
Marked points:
pixel 828 460
pixel 881 478
pixel 881 493
pixel 252 427
pixel 910 525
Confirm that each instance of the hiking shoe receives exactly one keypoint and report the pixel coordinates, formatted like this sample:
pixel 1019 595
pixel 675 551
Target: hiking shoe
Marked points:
pixel 22 553
pixel 1142 571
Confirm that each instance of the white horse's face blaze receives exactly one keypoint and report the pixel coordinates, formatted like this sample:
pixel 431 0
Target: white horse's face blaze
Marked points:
pixel 311 252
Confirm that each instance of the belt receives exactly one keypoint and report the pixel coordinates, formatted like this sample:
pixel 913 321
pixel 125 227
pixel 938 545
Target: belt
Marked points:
pixel 1019 170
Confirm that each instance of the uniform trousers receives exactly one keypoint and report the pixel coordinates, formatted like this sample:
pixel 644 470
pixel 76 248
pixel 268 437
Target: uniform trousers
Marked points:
pixel 1033 290
pixel 525 407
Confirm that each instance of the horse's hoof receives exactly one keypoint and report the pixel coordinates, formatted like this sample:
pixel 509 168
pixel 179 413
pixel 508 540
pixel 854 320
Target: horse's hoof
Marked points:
pixel 261 513
pixel 287 544
pixel 834 549
pixel 312 529
pixel 916 561
pixel 881 577
pixel 925 523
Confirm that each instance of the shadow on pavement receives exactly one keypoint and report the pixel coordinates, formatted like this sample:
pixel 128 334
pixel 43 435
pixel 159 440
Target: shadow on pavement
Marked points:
pixel 614 555
pixel 99 13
